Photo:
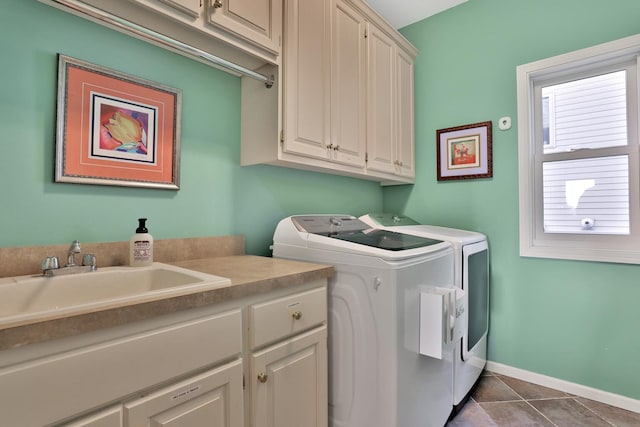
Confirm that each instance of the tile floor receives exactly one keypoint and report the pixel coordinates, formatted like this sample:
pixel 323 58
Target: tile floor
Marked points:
pixel 501 401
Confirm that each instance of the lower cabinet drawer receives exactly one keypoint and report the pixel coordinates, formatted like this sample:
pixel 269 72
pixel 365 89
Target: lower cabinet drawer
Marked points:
pixel 282 317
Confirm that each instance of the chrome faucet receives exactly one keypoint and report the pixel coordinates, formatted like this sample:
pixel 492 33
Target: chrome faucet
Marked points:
pixel 71 255
pixel 51 264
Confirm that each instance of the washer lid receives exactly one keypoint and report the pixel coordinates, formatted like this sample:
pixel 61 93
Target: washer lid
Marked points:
pixel 351 229
pixel 388 219
pixel 404 224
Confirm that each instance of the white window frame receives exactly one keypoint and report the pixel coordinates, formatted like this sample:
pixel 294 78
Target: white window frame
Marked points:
pixel 533 241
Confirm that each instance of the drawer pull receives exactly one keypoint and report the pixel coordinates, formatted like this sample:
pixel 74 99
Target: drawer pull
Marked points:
pixel 296 315
pixel 262 377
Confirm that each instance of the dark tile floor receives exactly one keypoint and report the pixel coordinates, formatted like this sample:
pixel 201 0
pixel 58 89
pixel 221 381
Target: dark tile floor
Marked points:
pixel 501 401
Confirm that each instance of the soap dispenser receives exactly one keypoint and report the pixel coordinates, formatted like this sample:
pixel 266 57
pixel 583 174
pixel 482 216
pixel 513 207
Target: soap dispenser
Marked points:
pixel 141 246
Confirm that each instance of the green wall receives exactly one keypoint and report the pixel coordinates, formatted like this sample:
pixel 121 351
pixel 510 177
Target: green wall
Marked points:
pixel 571 320
pixel 217 195
pixel 576 321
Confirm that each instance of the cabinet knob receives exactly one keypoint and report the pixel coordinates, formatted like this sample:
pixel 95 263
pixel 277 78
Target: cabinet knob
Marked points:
pixel 296 315
pixel 262 377
pixel 217 4
pixel 337 148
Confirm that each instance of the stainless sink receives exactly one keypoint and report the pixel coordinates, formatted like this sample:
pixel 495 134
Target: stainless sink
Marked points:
pixel 25 299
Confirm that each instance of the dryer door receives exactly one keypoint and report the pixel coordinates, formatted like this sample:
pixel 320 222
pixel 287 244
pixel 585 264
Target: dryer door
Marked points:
pixel 475 283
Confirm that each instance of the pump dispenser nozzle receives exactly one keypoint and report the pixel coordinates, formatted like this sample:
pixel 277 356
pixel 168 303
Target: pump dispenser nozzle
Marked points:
pixel 142 227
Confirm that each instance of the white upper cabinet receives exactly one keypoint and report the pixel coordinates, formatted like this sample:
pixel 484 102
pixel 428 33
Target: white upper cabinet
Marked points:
pixel 344 98
pixel 257 21
pixel 405 134
pixel 348 90
pixel 323 83
pixel 381 91
pixel 243 32
pixel 305 118
pixel 391 117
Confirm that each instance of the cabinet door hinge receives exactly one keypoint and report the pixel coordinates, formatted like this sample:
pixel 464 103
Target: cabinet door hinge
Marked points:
pixel 282 135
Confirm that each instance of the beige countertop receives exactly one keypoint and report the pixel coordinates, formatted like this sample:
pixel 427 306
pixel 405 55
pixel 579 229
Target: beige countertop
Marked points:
pixel 249 275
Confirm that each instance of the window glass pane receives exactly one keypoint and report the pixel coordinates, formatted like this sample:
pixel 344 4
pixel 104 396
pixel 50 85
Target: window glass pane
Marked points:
pixel 588 196
pixel 585 113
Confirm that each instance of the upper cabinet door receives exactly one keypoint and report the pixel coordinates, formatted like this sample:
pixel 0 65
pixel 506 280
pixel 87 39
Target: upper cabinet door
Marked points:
pixel 381 91
pixel 306 83
pixel 257 21
pixel 405 115
pixel 348 90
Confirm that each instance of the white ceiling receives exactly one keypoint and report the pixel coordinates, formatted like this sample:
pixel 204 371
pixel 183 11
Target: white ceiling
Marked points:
pixel 401 13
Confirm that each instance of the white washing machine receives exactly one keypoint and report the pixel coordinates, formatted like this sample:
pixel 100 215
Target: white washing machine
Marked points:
pixel 381 317
pixel 471 260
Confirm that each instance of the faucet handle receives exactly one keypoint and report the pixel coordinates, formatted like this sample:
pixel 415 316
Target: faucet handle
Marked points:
pixel 50 263
pixel 89 259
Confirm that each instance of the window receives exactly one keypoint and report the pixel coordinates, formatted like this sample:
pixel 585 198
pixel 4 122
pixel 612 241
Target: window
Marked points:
pixel 579 154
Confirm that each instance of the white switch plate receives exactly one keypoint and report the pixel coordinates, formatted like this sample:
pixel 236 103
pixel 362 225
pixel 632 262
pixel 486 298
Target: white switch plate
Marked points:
pixel 504 123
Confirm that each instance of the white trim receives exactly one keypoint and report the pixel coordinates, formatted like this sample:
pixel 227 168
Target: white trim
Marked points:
pixel 602 396
pixel 588 247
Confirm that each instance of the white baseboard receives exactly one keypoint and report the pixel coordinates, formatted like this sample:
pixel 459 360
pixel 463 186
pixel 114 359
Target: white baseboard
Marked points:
pixel 566 386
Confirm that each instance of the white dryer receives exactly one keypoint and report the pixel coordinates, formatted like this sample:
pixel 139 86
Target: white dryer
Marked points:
pixel 380 319
pixel 471 260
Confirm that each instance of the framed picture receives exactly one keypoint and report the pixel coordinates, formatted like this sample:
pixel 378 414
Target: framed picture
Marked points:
pixel 464 152
pixel 115 129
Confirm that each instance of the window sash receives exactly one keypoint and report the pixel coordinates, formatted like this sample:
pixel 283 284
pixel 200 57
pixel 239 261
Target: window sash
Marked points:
pixel 531 78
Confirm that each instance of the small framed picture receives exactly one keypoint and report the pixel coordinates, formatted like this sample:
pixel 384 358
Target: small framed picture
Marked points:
pixel 115 129
pixel 464 152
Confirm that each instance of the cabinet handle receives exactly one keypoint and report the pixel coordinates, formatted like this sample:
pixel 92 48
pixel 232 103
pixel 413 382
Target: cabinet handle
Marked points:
pixel 337 148
pixel 296 315
pixel 217 4
pixel 262 377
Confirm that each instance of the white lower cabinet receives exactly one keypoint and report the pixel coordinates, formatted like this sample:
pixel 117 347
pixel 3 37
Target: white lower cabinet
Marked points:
pixel 186 369
pixel 211 399
pixel 288 360
pixel 289 382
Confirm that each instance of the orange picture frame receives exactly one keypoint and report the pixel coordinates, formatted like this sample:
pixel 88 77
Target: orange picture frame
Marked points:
pixel 116 129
